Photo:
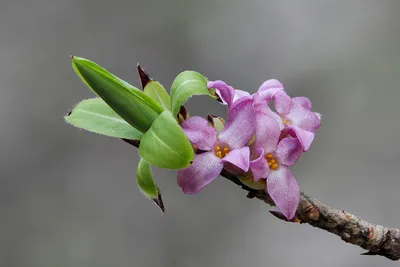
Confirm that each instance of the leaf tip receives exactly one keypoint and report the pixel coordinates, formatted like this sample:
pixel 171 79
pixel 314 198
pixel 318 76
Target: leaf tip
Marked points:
pixel 159 202
pixel 144 76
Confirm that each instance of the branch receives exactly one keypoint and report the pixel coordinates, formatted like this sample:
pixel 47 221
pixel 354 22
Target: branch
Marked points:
pixel 377 239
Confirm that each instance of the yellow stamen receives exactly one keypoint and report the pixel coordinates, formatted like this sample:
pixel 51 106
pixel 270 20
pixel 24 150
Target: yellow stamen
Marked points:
pixel 272 162
pixel 285 121
pixel 221 150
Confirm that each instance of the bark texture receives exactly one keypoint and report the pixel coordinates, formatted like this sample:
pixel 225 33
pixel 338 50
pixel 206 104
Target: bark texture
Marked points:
pixel 376 239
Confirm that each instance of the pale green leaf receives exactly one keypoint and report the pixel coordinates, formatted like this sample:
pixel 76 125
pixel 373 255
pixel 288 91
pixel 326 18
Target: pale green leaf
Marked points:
pixel 144 179
pixel 156 91
pixel 133 105
pixel 185 85
pixel 96 116
pixel 165 144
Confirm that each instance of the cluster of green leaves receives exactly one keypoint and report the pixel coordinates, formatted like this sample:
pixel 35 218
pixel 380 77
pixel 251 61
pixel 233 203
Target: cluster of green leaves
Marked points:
pixel 149 116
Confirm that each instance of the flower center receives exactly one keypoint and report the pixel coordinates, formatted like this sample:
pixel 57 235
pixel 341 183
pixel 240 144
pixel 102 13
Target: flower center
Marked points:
pixel 286 122
pixel 221 150
pixel 272 162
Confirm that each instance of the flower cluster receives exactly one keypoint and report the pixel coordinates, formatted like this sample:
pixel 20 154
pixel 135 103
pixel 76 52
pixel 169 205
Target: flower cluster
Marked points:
pixel 255 142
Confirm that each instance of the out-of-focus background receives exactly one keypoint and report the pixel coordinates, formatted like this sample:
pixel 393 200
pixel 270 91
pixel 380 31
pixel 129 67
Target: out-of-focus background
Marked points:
pixel 69 197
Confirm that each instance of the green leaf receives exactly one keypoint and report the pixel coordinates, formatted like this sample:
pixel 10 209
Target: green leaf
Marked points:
pixel 157 92
pixel 154 89
pixel 145 182
pixel 133 105
pixel 95 115
pixel 185 85
pixel 165 145
pixel 144 179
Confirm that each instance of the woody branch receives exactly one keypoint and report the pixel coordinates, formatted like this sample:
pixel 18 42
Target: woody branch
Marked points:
pixel 376 239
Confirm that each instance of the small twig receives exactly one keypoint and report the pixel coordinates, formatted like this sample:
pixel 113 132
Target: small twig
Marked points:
pixel 377 239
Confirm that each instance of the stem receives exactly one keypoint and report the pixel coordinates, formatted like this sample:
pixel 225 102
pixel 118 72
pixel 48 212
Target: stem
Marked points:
pixel 377 239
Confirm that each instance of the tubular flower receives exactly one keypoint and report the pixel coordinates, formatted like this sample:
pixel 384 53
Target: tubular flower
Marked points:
pixel 228 95
pixel 297 118
pixel 228 146
pixel 294 115
pixel 271 158
pixel 280 138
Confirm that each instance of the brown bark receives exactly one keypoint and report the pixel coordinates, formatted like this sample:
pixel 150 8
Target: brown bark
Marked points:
pixel 376 239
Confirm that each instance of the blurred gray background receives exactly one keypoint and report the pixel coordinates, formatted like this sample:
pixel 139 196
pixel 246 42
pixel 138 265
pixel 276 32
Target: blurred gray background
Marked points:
pixel 69 197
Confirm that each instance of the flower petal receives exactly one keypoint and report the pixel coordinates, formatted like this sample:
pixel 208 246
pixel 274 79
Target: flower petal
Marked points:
pixel 200 133
pixel 282 103
pixel 268 89
pixel 205 168
pixel 259 166
pixel 239 157
pixel 303 117
pixel 224 91
pixel 241 123
pixel 303 101
pixel 305 137
pixel 278 214
pixel 267 128
pixel 289 150
pixel 284 191
pixel 239 94
pixel 261 105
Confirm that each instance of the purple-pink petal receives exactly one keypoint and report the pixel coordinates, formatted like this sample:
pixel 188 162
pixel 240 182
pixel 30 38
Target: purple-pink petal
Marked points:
pixel 282 103
pixel 200 133
pixel 259 166
pixel 240 94
pixel 267 128
pixel 278 214
pixel 289 150
pixel 239 128
pixel 262 105
pixel 205 168
pixel 305 137
pixel 239 157
pixel 224 91
pixel 303 117
pixel 303 101
pixel 269 88
pixel 284 191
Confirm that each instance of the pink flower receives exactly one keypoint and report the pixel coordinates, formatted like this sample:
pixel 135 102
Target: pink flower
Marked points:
pixel 294 114
pixel 271 158
pixel 228 95
pixel 280 137
pixel 297 118
pixel 229 146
